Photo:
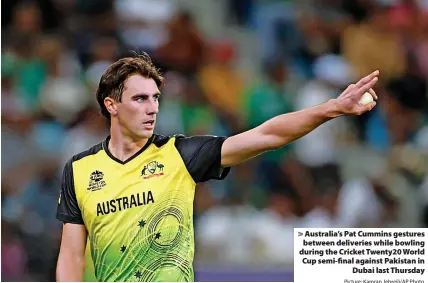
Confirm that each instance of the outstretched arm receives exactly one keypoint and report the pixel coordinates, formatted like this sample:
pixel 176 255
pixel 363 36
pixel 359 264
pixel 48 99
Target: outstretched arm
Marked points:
pixel 284 129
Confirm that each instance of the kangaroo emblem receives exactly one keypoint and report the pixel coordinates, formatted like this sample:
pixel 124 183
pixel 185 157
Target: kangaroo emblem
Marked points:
pixel 143 172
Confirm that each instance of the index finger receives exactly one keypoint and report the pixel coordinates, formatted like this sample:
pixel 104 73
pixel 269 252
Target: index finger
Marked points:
pixel 367 79
pixel 367 87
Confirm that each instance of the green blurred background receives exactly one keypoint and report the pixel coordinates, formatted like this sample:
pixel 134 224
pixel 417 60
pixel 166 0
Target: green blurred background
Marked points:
pixel 229 66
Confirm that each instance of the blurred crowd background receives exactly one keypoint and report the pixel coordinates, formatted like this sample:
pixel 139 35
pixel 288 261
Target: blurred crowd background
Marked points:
pixel 229 66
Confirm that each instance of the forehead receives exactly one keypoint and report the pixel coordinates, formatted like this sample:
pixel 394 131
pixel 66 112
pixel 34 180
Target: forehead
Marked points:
pixel 139 84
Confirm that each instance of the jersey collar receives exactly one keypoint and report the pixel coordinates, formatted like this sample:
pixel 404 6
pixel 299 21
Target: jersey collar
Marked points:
pixel 105 147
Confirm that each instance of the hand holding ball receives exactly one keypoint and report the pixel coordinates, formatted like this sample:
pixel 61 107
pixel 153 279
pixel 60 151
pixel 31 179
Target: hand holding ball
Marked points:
pixel 366 99
pixel 352 101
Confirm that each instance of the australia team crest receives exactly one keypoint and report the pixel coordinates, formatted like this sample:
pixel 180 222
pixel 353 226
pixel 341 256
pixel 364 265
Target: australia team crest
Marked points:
pixel 152 169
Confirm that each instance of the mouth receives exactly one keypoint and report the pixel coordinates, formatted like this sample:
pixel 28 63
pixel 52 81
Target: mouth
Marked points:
pixel 149 123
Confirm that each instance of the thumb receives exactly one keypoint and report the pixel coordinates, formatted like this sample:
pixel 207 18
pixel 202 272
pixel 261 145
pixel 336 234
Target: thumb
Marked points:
pixel 368 107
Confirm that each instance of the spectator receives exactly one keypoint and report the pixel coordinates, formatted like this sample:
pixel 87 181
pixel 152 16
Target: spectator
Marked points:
pixel 332 73
pixel 29 71
pixel 223 86
pixel 399 116
pixel 61 80
pixel 263 101
pixel 184 51
pixel 12 269
pixel 373 45
pixel 142 23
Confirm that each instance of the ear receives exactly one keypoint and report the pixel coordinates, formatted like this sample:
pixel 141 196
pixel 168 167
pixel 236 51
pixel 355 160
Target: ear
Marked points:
pixel 111 105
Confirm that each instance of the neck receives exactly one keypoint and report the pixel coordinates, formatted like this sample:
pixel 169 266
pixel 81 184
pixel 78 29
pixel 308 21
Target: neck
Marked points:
pixel 124 146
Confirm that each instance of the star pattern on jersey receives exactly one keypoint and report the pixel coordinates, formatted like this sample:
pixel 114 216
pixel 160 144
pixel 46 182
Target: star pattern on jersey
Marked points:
pixel 141 223
pixel 138 274
pixel 123 249
pixel 158 235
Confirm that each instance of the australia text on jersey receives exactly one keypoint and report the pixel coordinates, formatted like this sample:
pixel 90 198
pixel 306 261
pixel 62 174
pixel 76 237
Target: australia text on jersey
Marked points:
pixel 126 202
pixel 149 170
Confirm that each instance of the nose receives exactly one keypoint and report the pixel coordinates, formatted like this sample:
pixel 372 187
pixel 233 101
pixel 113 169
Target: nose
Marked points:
pixel 152 107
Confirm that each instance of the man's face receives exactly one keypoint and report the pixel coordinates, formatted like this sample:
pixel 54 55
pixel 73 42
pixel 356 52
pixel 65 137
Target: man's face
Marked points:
pixel 136 113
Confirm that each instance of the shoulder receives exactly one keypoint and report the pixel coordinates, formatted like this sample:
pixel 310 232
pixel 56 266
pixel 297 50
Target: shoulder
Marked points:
pixel 199 149
pixel 89 152
pixel 161 140
pixel 184 143
pixel 202 156
pixel 187 146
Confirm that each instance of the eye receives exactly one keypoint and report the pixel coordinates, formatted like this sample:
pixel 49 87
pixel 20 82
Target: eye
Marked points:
pixel 141 98
pixel 156 97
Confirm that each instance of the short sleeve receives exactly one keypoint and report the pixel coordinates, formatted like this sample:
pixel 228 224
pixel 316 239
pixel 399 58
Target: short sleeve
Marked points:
pixel 202 157
pixel 68 210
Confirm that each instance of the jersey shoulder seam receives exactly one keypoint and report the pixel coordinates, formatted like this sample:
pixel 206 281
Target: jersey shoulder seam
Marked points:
pixel 91 151
pixel 160 140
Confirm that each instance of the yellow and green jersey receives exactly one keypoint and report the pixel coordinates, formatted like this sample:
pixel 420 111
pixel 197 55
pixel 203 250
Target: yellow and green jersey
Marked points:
pixel 139 213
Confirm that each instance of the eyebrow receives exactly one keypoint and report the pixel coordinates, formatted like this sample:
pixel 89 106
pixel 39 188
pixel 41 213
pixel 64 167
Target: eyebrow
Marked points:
pixel 146 94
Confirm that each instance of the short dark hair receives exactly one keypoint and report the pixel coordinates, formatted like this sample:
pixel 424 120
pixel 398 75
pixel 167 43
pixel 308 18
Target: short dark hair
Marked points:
pixel 113 80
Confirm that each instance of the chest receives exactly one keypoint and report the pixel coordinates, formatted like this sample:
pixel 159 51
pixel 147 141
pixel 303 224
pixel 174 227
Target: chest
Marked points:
pixel 112 195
